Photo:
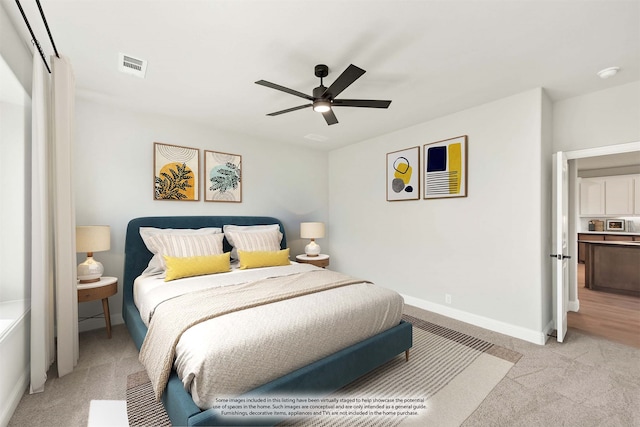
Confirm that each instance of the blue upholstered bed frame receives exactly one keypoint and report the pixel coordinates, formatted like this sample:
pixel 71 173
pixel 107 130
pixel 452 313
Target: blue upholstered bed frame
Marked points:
pixel 321 377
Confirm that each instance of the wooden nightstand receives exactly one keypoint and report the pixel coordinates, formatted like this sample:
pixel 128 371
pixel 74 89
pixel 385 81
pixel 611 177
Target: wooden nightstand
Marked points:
pixel 102 289
pixel 321 260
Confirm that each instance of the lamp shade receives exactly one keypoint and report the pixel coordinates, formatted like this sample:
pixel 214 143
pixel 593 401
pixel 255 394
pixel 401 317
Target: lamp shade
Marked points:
pixel 93 238
pixel 311 230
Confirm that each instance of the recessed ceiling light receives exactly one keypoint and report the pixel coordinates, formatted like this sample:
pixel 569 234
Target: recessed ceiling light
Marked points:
pixel 608 72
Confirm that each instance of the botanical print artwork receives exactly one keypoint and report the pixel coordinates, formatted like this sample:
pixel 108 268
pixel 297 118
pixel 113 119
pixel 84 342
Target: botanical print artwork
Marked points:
pixel 223 176
pixel 403 174
pixel 446 168
pixel 176 172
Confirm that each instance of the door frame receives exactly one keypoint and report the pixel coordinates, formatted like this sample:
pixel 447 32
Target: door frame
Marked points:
pixel 560 242
pixel 629 147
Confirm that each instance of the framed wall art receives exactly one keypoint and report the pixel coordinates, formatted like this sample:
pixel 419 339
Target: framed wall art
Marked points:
pixel 223 177
pixel 445 168
pixel 176 171
pixel 403 174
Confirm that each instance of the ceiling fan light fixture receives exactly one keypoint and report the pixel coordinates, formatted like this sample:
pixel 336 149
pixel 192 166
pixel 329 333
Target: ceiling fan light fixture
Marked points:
pixel 321 105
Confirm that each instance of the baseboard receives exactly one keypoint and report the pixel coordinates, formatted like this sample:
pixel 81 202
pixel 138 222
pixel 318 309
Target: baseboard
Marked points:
pixel 573 306
pixel 10 405
pixel 99 323
pixel 536 337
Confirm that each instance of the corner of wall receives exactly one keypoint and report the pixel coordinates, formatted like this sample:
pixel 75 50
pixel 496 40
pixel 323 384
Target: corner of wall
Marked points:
pixel 546 152
pixel 15 51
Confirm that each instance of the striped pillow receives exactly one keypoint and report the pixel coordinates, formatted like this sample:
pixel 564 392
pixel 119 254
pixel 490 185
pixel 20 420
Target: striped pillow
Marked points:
pixel 186 245
pixel 155 264
pixel 253 238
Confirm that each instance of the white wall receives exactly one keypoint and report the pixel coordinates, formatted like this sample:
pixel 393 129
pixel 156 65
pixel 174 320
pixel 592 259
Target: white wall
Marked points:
pixel 606 117
pixel 15 166
pixel 15 134
pixel 15 156
pixel 598 119
pixel 15 51
pixel 485 250
pixel 114 180
pixel 546 315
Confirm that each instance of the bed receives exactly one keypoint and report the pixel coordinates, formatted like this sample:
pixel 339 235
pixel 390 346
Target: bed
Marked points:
pixel 320 377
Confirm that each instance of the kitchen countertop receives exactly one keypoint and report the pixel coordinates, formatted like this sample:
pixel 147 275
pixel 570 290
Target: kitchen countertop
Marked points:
pixel 611 242
pixel 622 233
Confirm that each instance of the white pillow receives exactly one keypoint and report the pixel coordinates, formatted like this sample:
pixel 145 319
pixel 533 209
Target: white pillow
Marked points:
pixel 251 238
pixel 186 245
pixel 156 265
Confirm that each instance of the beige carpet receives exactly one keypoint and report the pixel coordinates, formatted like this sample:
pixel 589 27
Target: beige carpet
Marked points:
pixel 447 377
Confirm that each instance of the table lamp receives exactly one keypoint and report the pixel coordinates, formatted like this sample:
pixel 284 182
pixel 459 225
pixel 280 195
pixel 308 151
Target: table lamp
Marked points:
pixel 90 239
pixel 312 230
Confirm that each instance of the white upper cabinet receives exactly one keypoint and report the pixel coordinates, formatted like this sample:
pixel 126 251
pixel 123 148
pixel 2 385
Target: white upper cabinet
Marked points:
pixel 610 196
pixel 592 196
pixel 618 195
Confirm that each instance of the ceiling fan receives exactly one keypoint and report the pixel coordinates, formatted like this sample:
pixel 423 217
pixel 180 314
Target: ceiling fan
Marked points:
pixel 324 98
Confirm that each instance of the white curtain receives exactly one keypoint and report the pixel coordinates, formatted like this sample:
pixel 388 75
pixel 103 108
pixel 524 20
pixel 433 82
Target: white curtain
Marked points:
pixel 64 217
pixel 42 300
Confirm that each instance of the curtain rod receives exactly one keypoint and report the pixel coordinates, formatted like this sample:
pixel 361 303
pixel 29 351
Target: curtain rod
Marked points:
pixel 34 40
pixel 46 25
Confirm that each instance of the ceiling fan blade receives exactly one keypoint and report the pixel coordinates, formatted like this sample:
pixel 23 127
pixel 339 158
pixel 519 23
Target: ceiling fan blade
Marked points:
pixel 288 110
pixel 348 76
pixel 367 103
pixel 330 117
pixel 284 89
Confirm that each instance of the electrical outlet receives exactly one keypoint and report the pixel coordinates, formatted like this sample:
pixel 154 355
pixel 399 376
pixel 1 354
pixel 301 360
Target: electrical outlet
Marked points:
pixel 447 298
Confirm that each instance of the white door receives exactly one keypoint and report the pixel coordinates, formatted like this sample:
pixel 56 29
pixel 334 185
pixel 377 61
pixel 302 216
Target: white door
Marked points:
pixel 560 242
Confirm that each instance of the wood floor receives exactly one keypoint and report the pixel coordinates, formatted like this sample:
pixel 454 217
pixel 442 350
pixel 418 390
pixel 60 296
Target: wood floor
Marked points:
pixel 613 316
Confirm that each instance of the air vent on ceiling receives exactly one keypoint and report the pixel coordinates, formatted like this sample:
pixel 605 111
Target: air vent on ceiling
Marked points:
pixel 130 65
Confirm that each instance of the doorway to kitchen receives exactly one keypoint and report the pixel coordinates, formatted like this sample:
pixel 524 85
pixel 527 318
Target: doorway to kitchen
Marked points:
pixel 615 317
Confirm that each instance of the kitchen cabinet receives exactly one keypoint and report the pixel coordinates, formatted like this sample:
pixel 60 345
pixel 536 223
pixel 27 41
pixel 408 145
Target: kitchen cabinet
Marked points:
pixel 582 246
pixel 610 196
pixel 592 196
pixel 604 237
pixel 618 238
pixel 613 267
pixel 618 192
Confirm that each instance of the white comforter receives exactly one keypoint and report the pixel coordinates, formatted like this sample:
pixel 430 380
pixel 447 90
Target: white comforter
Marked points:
pixel 237 352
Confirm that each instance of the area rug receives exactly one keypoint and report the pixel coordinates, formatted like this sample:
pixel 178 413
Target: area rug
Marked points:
pixel 447 377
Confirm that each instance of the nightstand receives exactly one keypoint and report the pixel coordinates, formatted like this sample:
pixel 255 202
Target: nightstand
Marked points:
pixel 321 260
pixel 102 289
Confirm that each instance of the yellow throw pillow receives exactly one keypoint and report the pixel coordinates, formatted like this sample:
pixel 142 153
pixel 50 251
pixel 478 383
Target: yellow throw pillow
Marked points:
pixel 179 267
pixel 257 259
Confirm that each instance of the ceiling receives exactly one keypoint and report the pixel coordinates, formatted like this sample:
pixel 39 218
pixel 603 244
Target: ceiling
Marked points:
pixel 609 161
pixel 431 58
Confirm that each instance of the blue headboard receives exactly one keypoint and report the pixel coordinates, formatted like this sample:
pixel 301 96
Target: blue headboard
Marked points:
pixel 137 256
